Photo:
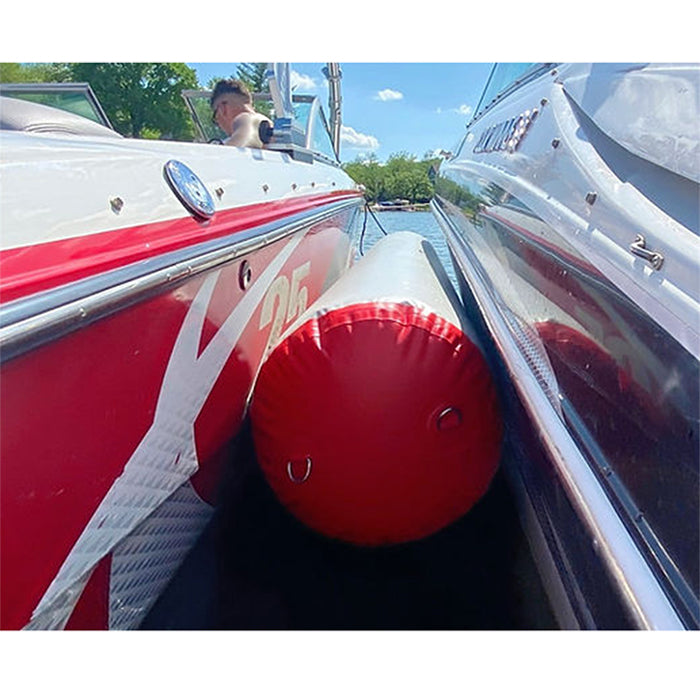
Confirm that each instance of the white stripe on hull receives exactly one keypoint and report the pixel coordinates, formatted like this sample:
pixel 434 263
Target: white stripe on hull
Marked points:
pixel 166 457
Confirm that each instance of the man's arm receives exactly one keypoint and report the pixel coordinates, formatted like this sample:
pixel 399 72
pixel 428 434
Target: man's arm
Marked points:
pixel 244 131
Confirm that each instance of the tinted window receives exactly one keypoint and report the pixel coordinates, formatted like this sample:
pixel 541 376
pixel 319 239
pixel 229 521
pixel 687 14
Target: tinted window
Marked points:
pixel 76 102
pixel 502 76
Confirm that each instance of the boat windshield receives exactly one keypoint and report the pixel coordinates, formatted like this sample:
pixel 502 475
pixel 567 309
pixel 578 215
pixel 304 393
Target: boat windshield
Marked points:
pixel 504 78
pixel 308 119
pixel 77 98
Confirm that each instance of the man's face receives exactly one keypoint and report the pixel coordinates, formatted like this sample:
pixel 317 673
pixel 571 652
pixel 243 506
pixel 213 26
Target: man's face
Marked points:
pixel 224 111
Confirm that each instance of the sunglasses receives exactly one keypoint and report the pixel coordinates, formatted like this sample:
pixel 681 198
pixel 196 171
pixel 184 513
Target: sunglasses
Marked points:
pixel 216 109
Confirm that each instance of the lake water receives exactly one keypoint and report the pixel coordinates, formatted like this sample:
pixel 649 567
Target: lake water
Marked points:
pixel 421 222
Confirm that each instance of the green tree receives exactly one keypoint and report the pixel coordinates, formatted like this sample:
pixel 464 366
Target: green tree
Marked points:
pixel 34 73
pixel 142 99
pixel 402 177
pixel 213 81
pixel 253 75
pixel 12 73
pixel 367 173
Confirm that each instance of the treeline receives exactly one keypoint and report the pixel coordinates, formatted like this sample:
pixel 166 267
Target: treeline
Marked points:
pixel 142 100
pixel 401 177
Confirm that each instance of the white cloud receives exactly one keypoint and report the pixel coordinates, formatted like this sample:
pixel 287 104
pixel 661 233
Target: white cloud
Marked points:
pixel 388 94
pixel 464 110
pixel 302 82
pixel 355 139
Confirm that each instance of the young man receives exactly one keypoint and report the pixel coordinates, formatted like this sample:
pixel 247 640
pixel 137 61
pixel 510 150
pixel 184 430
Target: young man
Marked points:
pixel 235 115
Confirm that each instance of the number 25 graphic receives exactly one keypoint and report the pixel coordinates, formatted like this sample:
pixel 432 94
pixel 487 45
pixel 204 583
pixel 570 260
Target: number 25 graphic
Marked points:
pixel 292 300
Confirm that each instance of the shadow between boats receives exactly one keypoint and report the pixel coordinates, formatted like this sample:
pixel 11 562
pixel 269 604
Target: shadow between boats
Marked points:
pixel 257 568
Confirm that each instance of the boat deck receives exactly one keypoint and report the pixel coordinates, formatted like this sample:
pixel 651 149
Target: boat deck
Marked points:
pixel 257 568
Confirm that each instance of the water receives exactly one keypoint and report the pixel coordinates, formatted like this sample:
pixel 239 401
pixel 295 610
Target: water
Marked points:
pixel 423 223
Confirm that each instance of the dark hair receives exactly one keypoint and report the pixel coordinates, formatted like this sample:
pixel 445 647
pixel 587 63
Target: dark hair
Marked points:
pixel 235 87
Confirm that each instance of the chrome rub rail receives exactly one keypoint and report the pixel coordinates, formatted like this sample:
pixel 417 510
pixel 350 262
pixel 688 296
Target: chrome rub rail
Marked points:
pixel 45 316
pixel 645 599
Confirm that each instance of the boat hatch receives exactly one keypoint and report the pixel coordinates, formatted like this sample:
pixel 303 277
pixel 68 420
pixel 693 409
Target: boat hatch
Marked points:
pixel 77 98
pixel 310 133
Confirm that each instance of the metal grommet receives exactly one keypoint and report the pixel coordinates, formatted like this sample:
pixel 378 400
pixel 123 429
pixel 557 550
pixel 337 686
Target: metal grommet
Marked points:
pixel 245 274
pixel 293 478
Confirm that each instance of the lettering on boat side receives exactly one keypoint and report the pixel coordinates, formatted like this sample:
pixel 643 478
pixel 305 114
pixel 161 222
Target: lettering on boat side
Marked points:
pixel 507 135
pixel 293 300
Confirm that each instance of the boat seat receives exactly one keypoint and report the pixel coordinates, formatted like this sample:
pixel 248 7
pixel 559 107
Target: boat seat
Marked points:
pixel 22 115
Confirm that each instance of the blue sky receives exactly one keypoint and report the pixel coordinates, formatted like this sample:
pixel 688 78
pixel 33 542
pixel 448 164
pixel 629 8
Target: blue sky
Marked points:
pixel 391 107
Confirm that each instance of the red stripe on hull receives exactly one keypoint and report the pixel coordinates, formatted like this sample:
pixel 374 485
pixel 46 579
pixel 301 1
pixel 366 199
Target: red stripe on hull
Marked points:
pixel 36 268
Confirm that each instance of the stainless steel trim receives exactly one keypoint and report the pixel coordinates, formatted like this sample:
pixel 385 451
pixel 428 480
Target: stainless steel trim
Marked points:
pixel 307 473
pixel 636 582
pixel 639 248
pixel 192 193
pixel 28 323
pixel 333 74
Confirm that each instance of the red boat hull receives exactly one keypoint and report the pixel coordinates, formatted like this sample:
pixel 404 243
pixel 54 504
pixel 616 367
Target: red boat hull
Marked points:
pixel 114 435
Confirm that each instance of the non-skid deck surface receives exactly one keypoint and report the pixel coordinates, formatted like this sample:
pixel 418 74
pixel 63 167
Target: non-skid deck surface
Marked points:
pixel 256 567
